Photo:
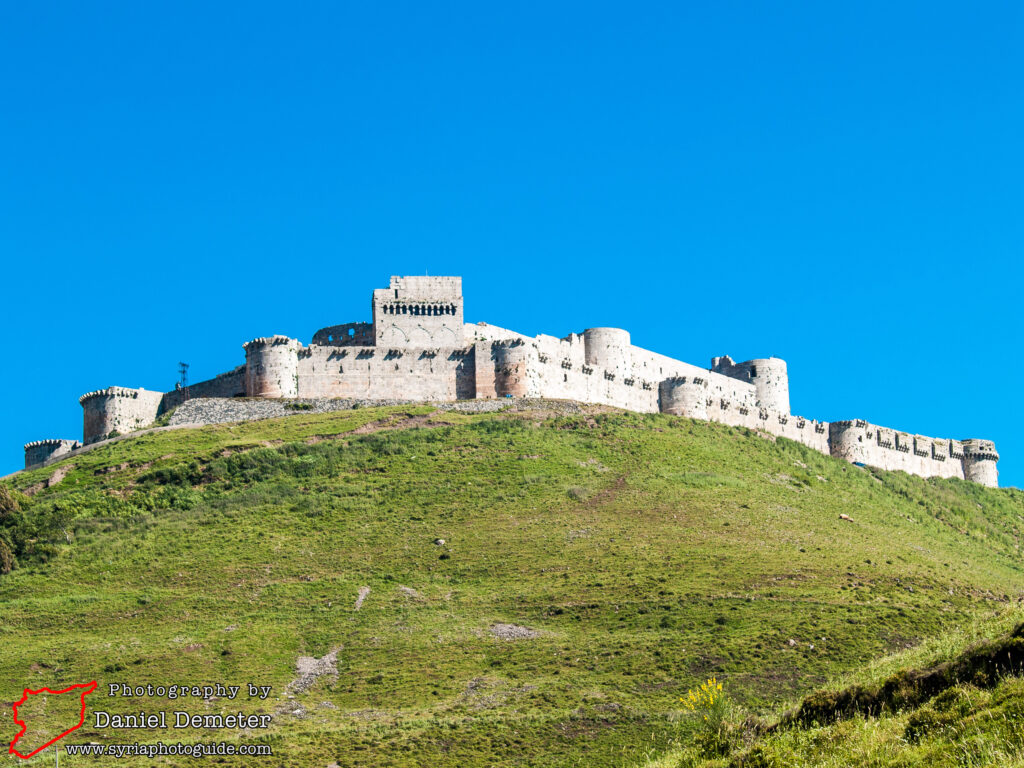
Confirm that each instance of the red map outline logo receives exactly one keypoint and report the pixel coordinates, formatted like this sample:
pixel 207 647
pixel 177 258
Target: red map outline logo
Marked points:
pixel 89 688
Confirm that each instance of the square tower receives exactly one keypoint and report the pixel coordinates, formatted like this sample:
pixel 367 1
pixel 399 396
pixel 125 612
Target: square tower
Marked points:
pixel 424 312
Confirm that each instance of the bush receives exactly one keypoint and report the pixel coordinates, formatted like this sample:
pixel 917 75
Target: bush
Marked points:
pixel 8 504
pixel 7 561
pixel 716 736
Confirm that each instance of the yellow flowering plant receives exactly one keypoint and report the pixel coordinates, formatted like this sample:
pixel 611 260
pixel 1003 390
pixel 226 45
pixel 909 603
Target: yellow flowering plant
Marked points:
pixel 709 702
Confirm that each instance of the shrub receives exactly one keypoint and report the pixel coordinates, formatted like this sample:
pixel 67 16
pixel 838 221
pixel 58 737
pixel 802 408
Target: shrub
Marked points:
pixel 7 562
pixel 715 737
pixel 8 504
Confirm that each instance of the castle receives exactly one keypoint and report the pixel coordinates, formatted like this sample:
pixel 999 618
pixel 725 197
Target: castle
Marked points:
pixel 418 348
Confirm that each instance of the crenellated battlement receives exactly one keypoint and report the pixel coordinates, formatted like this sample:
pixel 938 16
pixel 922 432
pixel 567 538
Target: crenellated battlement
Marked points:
pixel 110 392
pixel 418 347
pixel 40 451
pixel 49 443
pixel 271 366
pixel 980 449
pixel 271 341
pixel 768 375
pixel 117 410
pixel 861 442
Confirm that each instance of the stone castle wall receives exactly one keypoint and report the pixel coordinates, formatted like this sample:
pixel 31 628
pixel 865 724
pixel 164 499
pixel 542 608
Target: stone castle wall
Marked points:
pixel 768 376
pixel 382 373
pixel 419 312
pixel 864 443
pixel 418 348
pixel 979 462
pixel 271 367
pixel 43 450
pixel 345 335
pixel 230 384
pixel 117 410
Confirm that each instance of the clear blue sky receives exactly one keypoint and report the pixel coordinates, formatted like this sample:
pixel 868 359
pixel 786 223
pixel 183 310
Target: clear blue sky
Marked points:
pixel 837 184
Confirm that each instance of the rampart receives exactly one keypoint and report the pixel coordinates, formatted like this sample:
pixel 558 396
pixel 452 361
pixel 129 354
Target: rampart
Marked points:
pixel 859 442
pixel 117 410
pixel 418 348
pixel 230 384
pixel 40 451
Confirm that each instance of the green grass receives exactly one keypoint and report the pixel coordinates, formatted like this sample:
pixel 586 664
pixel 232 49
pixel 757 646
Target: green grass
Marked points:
pixel 648 551
pixel 955 701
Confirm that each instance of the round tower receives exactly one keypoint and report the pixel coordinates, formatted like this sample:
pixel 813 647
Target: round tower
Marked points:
pixel 979 462
pixel 684 396
pixel 272 367
pixel 98 414
pixel 43 450
pixel 769 377
pixel 117 410
pixel 608 348
pixel 848 440
pixel 511 368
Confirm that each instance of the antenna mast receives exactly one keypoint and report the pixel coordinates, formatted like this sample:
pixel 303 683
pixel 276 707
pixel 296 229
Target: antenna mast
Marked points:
pixel 183 378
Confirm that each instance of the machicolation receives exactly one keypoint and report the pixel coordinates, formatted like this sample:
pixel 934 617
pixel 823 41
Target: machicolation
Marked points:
pixel 418 348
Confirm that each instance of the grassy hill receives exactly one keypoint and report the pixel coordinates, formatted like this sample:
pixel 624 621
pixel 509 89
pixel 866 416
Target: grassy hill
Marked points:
pixel 594 566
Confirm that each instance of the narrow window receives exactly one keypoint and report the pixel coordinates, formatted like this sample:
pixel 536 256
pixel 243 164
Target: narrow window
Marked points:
pixel 753 371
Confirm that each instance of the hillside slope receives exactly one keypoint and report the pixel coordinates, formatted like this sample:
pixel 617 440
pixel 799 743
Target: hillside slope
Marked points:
pixel 592 566
pixel 956 700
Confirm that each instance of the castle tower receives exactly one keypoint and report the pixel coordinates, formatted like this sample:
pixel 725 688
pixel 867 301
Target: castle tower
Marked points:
pixel 419 311
pixel 979 462
pixel 848 440
pixel 117 410
pixel 608 348
pixel 272 367
pixel 512 364
pixel 684 396
pixel 43 450
pixel 768 375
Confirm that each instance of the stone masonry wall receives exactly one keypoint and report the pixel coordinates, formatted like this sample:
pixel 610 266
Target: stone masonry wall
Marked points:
pixel 345 335
pixel 271 367
pixel 383 373
pixel 768 375
pixel 42 450
pixel 117 410
pixel 546 366
pixel 419 311
pixel 864 443
pixel 979 462
pixel 230 384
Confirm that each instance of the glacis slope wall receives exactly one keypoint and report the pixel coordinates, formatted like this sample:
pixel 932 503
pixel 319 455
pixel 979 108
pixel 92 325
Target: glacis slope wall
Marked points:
pixel 418 347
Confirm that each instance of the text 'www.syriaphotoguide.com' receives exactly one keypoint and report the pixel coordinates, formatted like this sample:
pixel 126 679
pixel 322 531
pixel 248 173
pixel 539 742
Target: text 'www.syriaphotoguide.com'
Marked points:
pixel 159 748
